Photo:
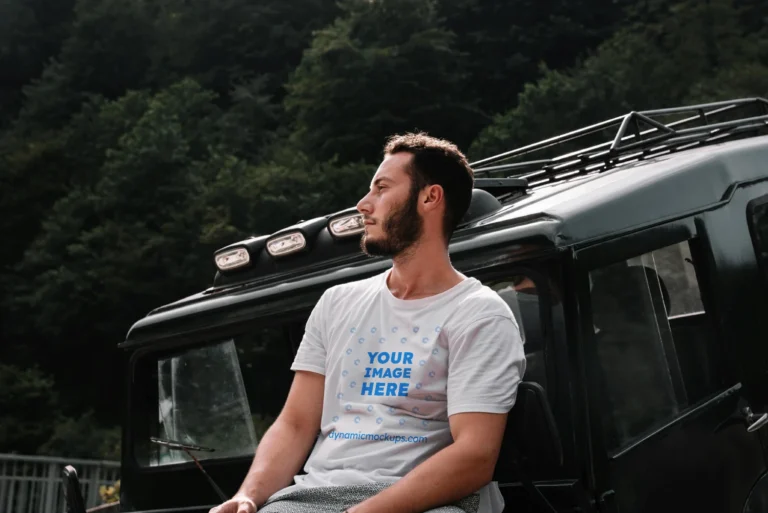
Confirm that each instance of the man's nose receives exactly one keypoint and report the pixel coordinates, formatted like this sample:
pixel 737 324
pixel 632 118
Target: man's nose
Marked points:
pixel 364 205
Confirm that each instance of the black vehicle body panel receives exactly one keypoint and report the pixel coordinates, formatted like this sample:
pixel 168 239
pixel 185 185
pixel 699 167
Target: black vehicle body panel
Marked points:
pixel 704 459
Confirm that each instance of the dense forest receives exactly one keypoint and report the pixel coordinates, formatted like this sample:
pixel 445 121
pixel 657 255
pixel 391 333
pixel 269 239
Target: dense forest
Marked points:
pixel 136 137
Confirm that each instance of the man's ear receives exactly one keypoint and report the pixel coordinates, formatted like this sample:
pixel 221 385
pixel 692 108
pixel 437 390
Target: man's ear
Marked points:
pixel 433 196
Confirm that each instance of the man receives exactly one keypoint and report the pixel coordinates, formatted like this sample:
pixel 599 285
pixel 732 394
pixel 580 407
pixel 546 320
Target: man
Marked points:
pixel 407 376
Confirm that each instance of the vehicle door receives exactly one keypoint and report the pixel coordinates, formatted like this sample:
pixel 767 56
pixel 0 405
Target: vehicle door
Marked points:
pixel 534 293
pixel 741 253
pixel 665 399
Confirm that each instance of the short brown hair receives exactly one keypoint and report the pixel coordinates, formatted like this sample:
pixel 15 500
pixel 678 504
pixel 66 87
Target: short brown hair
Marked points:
pixel 438 162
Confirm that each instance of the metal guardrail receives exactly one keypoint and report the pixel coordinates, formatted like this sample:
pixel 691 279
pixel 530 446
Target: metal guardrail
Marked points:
pixel 33 484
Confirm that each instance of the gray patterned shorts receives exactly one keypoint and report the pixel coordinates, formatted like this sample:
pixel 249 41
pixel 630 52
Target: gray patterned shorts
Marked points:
pixel 336 499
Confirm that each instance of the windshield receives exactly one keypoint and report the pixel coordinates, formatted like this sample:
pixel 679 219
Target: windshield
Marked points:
pixel 202 401
pixel 221 396
pixel 225 395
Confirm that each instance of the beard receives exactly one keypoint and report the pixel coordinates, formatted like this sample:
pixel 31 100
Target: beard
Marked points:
pixel 402 228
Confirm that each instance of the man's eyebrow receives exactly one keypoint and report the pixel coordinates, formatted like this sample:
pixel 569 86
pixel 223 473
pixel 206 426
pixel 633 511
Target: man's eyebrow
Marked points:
pixel 382 179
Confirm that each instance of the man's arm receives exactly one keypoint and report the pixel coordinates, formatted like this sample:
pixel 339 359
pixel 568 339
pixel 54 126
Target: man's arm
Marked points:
pixel 455 472
pixel 284 447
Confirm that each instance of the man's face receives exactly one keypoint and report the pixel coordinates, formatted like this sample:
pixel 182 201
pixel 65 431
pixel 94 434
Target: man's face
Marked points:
pixel 392 220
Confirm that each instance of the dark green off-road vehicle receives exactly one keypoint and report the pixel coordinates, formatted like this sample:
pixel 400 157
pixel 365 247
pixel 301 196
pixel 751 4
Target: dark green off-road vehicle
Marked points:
pixel 637 267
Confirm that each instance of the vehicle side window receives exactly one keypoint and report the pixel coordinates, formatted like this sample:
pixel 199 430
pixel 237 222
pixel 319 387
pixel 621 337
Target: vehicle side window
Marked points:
pixel 656 353
pixel 757 217
pixel 522 296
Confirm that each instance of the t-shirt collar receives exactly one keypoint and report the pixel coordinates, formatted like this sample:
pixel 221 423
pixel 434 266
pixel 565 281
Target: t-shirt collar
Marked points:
pixel 416 303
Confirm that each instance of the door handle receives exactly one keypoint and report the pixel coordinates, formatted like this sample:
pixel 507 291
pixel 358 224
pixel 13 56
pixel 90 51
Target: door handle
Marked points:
pixel 754 420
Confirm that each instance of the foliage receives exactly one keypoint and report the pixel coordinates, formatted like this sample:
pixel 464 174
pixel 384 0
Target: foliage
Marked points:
pixel 107 52
pixel 508 41
pixel 381 68
pixel 134 219
pixel 228 43
pixel 110 494
pixel 31 32
pixel 28 401
pixel 83 437
pixel 643 66
pixel 169 191
pixel 38 170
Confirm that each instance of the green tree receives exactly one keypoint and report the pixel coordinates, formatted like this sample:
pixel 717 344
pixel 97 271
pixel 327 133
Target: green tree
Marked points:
pixel 169 192
pixel 641 67
pixel 226 43
pixel 381 68
pixel 31 32
pixel 108 51
pixel 117 45
pixel 741 80
pixel 106 245
pixel 82 437
pixel 36 171
pixel 29 402
pixel 508 41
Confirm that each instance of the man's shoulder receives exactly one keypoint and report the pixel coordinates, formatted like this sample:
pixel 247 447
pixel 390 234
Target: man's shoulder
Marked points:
pixel 352 289
pixel 480 302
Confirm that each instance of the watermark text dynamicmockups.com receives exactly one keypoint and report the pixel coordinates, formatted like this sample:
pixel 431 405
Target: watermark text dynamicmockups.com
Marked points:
pixel 386 437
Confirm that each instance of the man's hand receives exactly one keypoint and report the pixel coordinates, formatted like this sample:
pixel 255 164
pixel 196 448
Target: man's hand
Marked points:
pixel 237 504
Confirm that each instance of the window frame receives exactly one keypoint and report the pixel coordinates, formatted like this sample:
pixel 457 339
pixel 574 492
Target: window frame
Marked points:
pixel 545 317
pixel 622 248
pixel 762 261
pixel 139 408
pixel 546 273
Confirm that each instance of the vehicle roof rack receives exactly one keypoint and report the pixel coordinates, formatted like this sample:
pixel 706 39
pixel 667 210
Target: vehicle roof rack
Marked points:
pixel 631 142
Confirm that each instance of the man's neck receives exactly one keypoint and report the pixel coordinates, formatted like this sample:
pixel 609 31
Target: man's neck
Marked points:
pixel 424 271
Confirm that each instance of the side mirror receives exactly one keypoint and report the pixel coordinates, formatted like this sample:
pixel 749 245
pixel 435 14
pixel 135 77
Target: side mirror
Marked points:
pixel 531 443
pixel 73 497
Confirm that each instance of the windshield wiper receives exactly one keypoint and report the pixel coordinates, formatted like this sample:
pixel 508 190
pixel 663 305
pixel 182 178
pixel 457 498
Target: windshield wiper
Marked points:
pixel 179 446
pixel 173 444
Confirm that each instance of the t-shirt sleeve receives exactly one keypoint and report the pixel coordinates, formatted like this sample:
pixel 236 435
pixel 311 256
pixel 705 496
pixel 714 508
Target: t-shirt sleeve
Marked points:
pixel 486 362
pixel 313 347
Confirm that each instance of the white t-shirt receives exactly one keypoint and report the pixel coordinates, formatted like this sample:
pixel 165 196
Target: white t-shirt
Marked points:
pixel 396 370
